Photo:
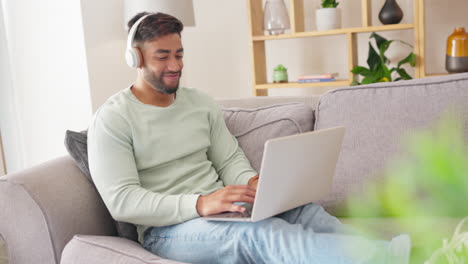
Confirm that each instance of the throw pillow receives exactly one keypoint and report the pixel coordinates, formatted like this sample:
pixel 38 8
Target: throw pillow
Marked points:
pixel 76 144
pixel 254 126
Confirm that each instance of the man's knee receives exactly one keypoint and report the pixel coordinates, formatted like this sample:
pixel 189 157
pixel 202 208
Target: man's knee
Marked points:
pixel 263 230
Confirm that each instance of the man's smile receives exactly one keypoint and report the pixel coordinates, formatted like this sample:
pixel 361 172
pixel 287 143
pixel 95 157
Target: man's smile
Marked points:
pixel 172 76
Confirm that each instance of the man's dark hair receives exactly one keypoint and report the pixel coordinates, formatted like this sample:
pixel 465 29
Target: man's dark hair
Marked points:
pixel 154 26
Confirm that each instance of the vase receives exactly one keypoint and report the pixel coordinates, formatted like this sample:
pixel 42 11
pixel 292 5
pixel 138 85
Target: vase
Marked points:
pixel 328 18
pixel 456 59
pixel 390 13
pixel 276 18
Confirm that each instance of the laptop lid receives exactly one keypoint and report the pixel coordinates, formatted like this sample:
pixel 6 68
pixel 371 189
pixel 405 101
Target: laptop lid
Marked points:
pixel 296 170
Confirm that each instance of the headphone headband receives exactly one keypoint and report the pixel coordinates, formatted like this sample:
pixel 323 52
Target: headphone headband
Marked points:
pixel 133 30
pixel 132 56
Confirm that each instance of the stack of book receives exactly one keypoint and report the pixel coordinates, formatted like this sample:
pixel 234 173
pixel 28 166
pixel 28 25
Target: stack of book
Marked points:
pixel 328 77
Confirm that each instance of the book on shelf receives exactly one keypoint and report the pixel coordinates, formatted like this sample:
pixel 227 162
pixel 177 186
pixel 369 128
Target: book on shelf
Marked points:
pixel 318 76
pixel 316 80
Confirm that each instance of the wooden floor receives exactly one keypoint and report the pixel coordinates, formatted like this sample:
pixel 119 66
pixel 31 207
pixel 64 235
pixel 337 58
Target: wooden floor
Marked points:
pixel 3 253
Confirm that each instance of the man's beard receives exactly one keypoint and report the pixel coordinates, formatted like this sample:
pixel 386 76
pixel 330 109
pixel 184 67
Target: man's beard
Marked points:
pixel 158 83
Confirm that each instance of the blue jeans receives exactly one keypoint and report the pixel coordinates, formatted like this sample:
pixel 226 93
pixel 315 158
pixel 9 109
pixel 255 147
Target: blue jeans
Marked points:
pixel 307 234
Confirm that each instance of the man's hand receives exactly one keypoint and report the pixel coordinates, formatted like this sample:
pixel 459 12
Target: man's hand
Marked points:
pixel 222 200
pixel 253 182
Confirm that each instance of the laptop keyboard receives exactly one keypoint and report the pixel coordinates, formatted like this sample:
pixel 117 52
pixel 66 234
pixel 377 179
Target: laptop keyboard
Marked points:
pixel 246 214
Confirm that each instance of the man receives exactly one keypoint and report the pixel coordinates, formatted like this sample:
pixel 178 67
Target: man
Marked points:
pixel 161 157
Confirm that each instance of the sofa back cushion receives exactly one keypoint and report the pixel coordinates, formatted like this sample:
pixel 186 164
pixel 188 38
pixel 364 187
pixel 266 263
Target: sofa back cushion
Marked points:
pixel 254 126
pixel 377 117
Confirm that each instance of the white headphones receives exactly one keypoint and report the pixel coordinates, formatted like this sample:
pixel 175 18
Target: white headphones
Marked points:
pixel 131 54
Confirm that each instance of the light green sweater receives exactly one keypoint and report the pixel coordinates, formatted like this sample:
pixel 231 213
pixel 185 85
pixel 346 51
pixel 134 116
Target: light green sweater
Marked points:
pixel 150 164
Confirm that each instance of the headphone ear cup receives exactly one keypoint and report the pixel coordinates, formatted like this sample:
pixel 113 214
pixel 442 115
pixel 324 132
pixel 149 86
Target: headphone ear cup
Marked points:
pixel 132 57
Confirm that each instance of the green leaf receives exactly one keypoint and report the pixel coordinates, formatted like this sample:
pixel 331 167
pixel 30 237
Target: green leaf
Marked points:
pixel 367 80
pixel 326 3
pixel 387 73
pixel 373 58
pixel 375 77
pixel 280 67
pixel 378 39
pixel 382 44
pixel 411 59
pixel 361 70
pixel 403 42
pixel 404 74
pixel 383 48
pixel 329 3
pixel 381 74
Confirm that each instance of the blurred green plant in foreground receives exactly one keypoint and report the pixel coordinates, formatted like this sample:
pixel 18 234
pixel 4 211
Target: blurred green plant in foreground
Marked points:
pixel 428 182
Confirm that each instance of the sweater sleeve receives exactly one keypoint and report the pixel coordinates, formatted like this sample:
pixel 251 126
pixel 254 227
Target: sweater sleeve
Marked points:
pixel 114 172
pixel 227 157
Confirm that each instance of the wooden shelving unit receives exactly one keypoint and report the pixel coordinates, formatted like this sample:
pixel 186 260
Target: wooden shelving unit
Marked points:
pixel 334 32
pixel 258 39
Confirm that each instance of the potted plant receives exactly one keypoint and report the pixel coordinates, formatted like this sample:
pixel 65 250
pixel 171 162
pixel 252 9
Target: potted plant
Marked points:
pixel 329 16
pixel 280 74
pixel 378 63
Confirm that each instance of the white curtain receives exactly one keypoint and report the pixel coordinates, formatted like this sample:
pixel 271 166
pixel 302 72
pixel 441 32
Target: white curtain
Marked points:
pixel 2 158
pixel 12 159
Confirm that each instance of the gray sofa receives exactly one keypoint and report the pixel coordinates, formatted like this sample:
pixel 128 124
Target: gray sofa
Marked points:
pixel 52 214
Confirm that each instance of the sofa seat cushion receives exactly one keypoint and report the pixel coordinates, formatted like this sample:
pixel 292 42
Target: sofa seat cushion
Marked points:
pixel 84 249
pixel 254 126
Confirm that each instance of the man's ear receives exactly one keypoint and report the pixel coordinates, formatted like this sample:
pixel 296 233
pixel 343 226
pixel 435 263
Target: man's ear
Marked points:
pixel 140 55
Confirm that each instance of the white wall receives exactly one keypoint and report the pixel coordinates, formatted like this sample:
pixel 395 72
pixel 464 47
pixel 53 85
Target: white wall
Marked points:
pixel 48 75
pixel 217 57
pixel 105 38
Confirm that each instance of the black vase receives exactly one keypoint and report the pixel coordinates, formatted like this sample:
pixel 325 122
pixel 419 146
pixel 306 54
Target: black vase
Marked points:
pixel 391 13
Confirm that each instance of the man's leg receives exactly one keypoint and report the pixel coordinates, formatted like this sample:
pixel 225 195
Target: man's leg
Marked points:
pixel 315 217
pixel 269 241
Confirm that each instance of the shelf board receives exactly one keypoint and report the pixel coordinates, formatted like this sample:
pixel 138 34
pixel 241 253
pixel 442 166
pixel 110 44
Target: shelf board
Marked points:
pixel 335 32
pixel 435 74
pixel 302 85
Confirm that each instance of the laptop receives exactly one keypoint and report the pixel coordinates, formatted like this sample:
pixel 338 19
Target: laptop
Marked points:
pixel 296 170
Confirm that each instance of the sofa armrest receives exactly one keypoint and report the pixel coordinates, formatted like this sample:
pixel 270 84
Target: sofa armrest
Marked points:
pixel 43 207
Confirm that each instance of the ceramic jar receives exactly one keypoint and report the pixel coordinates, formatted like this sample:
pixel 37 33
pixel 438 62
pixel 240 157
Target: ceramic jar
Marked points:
pixel 456 59
pixel 390 13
